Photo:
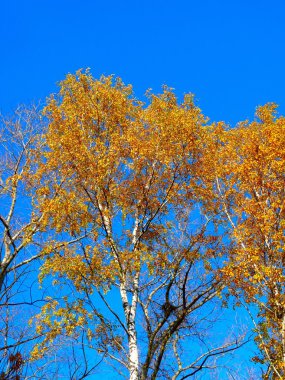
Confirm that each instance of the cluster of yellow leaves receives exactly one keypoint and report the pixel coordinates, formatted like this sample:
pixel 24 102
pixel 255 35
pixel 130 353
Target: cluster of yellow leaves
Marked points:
pixel 83 270
pixel 106 155
pixel 59 319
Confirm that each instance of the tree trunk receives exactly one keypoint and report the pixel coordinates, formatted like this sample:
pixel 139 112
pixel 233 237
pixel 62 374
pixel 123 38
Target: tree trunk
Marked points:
pixel 133 351
pixel 130 314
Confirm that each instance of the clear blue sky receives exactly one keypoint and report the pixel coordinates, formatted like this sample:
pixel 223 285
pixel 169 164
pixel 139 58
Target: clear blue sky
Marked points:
pixel 231 54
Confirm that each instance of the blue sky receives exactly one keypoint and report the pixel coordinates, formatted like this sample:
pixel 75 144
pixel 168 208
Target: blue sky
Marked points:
pixel 230 54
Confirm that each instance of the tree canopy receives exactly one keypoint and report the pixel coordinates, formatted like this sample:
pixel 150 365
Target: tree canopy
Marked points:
pixel 149 222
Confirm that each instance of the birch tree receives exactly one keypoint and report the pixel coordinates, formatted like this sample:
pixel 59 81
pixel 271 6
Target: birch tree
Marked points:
pixel 23 239
pixel 125 174
pixel 247 177
pixel 19 227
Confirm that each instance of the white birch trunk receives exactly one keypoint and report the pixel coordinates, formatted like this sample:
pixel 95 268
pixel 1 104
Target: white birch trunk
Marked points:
pixel 133 350
pixel 133 346
pixel 129 309
pixel 130 314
